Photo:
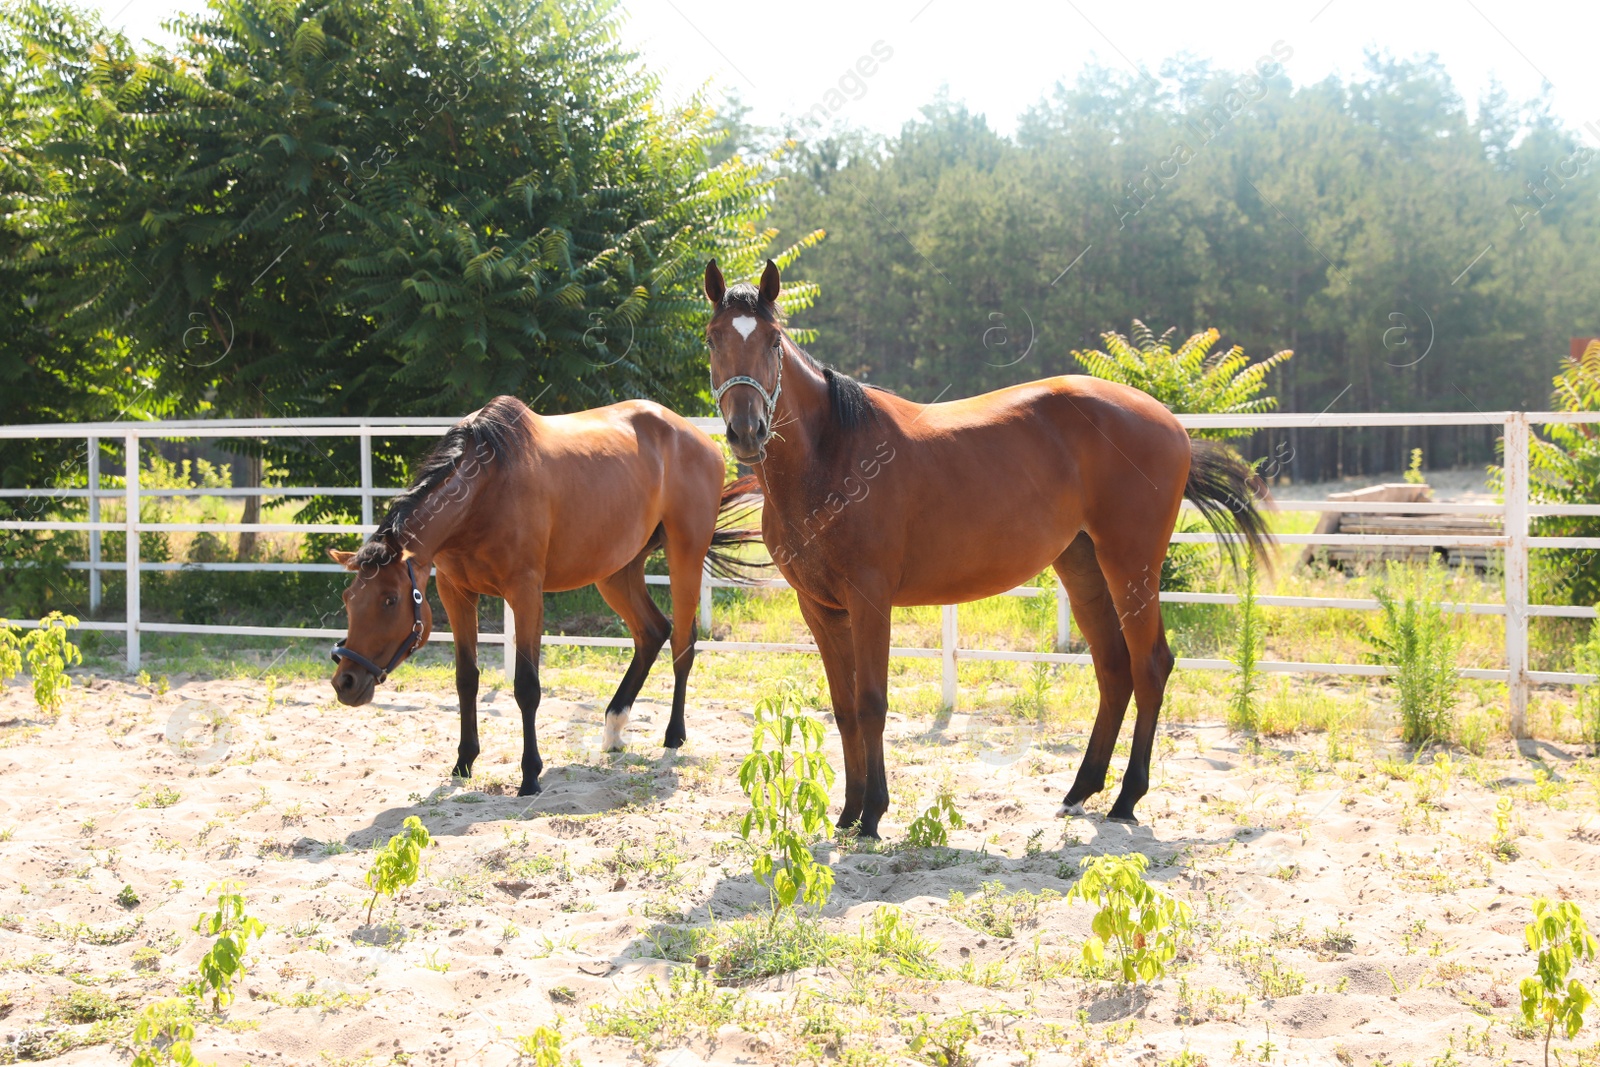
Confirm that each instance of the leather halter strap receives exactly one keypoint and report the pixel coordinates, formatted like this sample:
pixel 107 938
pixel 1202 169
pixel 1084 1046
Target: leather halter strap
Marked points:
pixel 340 652
pixel 770 400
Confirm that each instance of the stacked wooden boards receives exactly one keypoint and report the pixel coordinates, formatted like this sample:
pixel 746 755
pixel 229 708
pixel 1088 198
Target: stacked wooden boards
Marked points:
pixel 1444 527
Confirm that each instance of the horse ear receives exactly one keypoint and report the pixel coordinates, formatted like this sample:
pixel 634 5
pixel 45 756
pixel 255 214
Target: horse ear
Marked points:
pixel 341 557
pixel 770 283
pixel 715 286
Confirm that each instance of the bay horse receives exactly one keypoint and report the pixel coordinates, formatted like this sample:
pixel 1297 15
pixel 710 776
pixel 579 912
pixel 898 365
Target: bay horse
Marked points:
pixel 874 502
pixel 515 504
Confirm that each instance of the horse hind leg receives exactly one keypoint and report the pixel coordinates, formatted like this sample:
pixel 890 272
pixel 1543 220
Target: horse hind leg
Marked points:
pixel 686 558
pixel 629 596
pixel 1151 662
pixel 1095 611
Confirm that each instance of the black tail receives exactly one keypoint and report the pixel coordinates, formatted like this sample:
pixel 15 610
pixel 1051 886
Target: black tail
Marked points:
pixel 740 498
pixel 1230 496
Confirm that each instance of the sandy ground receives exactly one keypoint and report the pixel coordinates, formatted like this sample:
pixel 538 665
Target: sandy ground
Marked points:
pixel 1346 913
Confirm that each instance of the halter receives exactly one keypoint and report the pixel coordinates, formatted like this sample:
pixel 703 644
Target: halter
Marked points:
pixel 406 646
pixel 770 400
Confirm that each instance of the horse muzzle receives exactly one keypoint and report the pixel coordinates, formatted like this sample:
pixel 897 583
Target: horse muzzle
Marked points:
pixel 353 685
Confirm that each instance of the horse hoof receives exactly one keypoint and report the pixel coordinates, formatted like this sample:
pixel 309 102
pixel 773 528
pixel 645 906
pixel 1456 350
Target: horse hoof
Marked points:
pixel 461 770
pixel 1126 820
pixel 529 790
pixel 611 735
pixel 673 742
pixel 1069 811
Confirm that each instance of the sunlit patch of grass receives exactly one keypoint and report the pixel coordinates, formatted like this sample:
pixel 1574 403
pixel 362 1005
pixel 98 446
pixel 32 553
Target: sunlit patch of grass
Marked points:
pixel 989 688
pixel 747 948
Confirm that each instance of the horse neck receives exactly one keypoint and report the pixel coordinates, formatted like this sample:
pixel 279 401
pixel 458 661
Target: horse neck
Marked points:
pixel 799 423
pixel 438 518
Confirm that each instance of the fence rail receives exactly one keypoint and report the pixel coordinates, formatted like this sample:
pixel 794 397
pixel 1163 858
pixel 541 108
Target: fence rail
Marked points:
pixel 1516 541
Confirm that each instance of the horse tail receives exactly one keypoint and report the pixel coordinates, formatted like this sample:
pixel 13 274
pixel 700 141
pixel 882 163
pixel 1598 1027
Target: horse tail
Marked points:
pixel 740 499
pixel 1230 496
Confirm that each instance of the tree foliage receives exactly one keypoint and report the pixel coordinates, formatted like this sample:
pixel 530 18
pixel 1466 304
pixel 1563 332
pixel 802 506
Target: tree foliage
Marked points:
pixel 361 207
pixel 1564 468
pixel 1191 380
pixel 1347 220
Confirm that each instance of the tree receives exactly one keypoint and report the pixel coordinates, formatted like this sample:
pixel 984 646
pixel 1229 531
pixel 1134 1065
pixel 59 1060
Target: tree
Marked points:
pixel 1564 468
pixel 1289 218
pixel 1191 380
pixel 354 207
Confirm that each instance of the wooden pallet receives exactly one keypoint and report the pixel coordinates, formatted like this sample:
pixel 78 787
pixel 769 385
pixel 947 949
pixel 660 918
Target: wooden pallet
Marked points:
pixel 1442 526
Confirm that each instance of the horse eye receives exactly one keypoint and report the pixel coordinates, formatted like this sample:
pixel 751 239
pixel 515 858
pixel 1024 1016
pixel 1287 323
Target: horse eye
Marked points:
pixel 390 601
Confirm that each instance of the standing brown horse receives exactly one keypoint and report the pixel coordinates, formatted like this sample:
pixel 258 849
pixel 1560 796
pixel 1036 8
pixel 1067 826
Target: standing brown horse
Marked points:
pixel 515 505
pixel 874 502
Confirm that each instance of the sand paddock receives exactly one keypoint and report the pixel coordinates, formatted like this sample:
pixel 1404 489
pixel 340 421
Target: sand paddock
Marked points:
pixel 1351 906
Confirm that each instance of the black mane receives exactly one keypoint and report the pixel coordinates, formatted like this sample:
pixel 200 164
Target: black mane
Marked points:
pixel 849 397
pixel 496 431
pixel 846 396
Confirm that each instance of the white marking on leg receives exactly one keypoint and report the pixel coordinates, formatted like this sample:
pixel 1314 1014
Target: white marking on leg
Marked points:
pixel 616 722
pixel 1067 811
pixel 745 325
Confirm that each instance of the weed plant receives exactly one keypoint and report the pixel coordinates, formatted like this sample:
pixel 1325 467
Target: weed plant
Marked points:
pixel 1412 636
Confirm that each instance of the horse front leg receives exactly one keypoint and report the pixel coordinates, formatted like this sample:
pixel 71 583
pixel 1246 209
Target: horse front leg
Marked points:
pixel 831 628
pixel 527 608
pixel 869 639
pixel 461 607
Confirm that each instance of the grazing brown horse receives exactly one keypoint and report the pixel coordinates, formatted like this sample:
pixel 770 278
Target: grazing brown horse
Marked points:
pixel 874 502
pixel 515 505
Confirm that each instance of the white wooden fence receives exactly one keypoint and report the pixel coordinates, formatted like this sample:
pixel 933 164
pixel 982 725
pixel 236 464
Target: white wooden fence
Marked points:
pixel 1516 541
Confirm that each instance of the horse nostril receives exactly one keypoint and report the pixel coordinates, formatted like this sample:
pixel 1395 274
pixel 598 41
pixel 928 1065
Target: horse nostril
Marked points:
pixel 347 681
pixel 761 430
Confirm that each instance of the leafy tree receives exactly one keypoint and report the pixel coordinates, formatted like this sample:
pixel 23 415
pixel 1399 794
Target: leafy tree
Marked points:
pixel 377 207
pixel 47 374
pixel 347 207
pixel 1192 380
pixel 1564 468
pixel 1291 218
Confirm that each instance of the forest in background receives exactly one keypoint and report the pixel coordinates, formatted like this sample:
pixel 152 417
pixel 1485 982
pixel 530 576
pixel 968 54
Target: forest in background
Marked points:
pixel 1414 257
pixel 363 207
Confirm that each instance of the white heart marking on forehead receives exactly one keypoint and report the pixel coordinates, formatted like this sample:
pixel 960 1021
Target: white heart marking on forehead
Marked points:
pixel 745 325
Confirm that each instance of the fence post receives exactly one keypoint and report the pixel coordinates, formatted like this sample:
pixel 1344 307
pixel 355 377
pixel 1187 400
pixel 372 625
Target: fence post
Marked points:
pixel 949 637
pixel 510 627
pixel 1063 617
pixel 705 602
pixel 131 483
pixel 94 516
pixel 1516 568
pixel 366 476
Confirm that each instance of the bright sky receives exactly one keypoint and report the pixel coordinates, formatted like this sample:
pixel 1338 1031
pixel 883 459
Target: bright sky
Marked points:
pixel 1000 57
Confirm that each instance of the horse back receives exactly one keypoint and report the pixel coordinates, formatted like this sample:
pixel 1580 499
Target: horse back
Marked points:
pixel 605 480
pixel 983 493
